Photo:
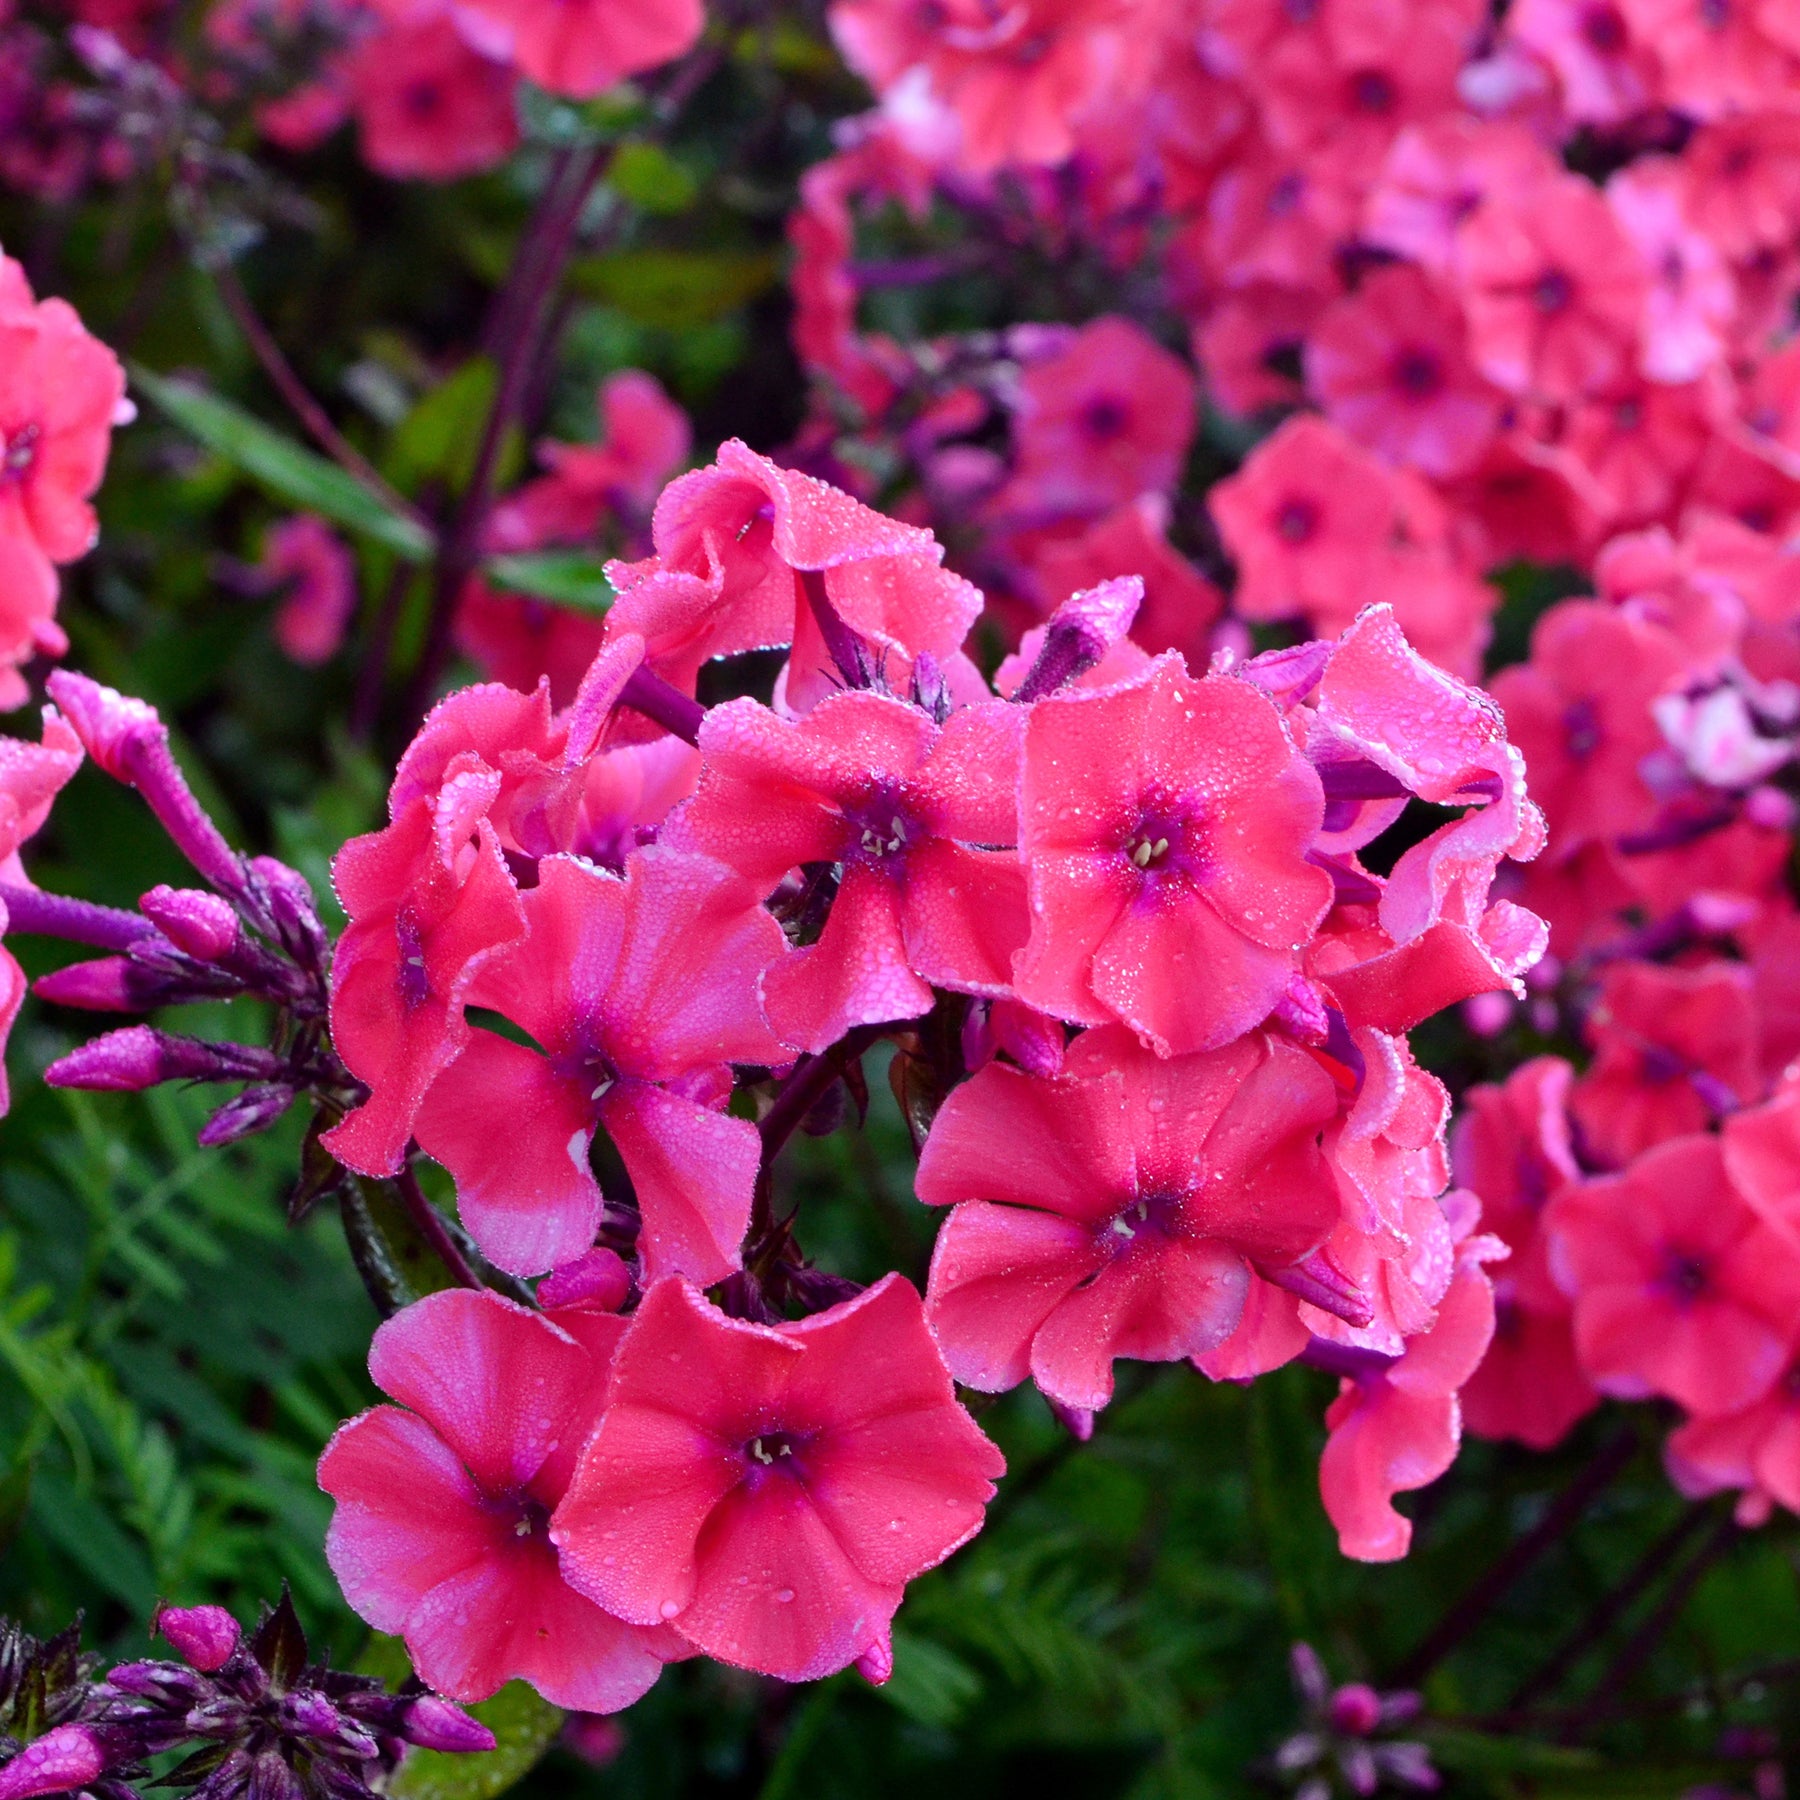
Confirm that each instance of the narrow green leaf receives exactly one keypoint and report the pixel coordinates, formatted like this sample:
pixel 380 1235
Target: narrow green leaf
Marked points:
pixel 438 438
pixel 284 469
pixel 676 289
pixel 572 578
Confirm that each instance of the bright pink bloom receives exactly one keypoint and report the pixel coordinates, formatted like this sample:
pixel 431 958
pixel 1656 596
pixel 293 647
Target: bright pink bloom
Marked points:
pixel 1640 442
pixel 1164 825
pixel 1389 364
pixel 1553 290
pixel 578 49
pixel 1717 58
pixel 1115 1211
pixel 442 1530
pixel 871 784
pixel 640 994
pixel 644 439
pixel 61 393
pixel 1673 1049
pixel 1440 174
pixel 429 103
pixel 1400 1428
pixel 1756 1449
pixel 316 580
pixel 1742 179
pixel 1678 1288
pixel 1016 77
pixel 1275 216
pixel 1691 302
pixel 629 791
pixel 1512 1150
pixel 1250 343
pixel 1580 711
pixel 1606 68
pixel 1105 417
pixel 770 1490
pixel 1532 500
pixel 1307 517
pixel 734 541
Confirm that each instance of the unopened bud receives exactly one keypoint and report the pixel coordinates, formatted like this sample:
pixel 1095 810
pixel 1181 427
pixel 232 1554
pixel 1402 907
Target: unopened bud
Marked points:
pixel 67 1757
pixel 1288 676
pixel 435 1724
pixel 876 1664
pixel 139 1057
pixel 131 743
pixel 596 1281
pixel 271 1779
pixel 314 1716
pixel 197 923
pixel 107 984
pixel 1355 1709
pixel 254 1110
pixel 1079 633
pixel 204 1635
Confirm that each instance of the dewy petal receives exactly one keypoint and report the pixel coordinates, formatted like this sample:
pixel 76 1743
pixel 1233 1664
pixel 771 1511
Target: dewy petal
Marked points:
pixel 515 1135
pixel 695 1174
pixel 408 1516
pixel 858 973
pixel 963 916
pixel 1060 1146
pixel 498 1383
pixel 1076 897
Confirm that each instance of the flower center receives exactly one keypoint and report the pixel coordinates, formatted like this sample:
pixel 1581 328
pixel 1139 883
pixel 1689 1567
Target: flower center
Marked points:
pixel 1552 291
pixel 882 828
pixel 19 453
pixel 770 1449
pixel 1603 29
pixel 1417 374
pixel 1105 417
pixel 1685 1276
pixel 1581 728
pixel 1373 91
pixel 1149 1213
pixel 1296 521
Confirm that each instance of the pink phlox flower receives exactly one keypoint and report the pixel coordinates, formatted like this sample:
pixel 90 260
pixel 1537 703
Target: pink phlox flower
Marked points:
pixel 1716 59
pixel 1164 826
pixel 734 541
pixel 1741 180
pixel 1552 288
pixel 1679 1287
pixel 1755 1450
pixel 1104 417
pixel 441 1533
pixel 1390 365
pixel 1279 216
pixel 1388 1149
pixel 1697 587
pixel 644 438
pixel 628 791
pixel 1015 78
pixel 317 582
pixel 638 994
pixel 1529 499
pixel 1579 710
pixel 1716 737
pixel 431 102
pixel 1606 67
pixel 1307 518
pixel 1439 174
pixel 579 49
pixel 1115 1211
pixel 1642 442
pixel 1399 1429
pixel 770 1490
pixel 919 819
pixel 1250 342
pixel 1033 1040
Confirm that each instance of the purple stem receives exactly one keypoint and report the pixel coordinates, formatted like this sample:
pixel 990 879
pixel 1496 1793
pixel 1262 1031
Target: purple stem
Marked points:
pixel 432 1228
pixel 1351 1361
pixel 806 1082
pixel 39 914
pixel 647 693
pixel 842 644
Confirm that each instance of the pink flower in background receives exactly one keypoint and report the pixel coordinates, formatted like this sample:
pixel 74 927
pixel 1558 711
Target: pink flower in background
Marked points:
pixel 1438 175
pixel 1100 420
pixel 1164 825
pixel 1389 364
pixel 1553 290
pixel 1678 1288
pixel 637 994
pixel 770 1490
pixel 441 1534
pixel 1115 1211
pixel 579 47
pixel 429 103
pixel 316 581
pixel 1755 1449
pixel 1605 66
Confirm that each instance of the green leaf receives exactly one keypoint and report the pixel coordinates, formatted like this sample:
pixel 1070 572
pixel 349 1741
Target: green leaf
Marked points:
pixel 524 1725
pixel 651 179
pixel 284 469
pixel 932 1686
pixel 439 437
pixel 677 289
pixel 572 578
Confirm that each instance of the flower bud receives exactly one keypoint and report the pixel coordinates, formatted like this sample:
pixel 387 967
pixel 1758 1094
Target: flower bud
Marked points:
pixel 107 984
pixel 1355 1708
pixel 596 1281
pixel 139 1057
pixel 69 1756
pixel 205 1636
pixel 313 1716
pixel 1080 632
pixel 435 1724
pixel 199 924
pixel 131 743
pixel 254 1110
pixel 876 1664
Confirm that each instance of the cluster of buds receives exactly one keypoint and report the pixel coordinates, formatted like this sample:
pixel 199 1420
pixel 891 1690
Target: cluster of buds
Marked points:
pixel 253 931
pixel 255 1717
pixel 1343 1746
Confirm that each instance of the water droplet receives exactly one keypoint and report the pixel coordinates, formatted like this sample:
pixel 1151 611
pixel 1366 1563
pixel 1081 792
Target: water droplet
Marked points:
pixel 668 1609
pixel 784 1595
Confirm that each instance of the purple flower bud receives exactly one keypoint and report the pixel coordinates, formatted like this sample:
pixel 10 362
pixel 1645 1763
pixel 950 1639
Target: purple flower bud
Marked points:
pixel 876 1664
pixel 107 984
pixel 127 739
pixel 1355 1708
pixel 597 1280
pixel 435 1724
pixel 29 909
pixel 254 1110
pixel 1409 1765
pixel 204 1635
pixel 70 1756
pixel 1079 633
pixel 272 1779
pixel 1360 1771
pixel 313 1716
pixel 1309 1674
pixel 1288 676
pixel 165 1682
pixel 194 921
pixel 139 1057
